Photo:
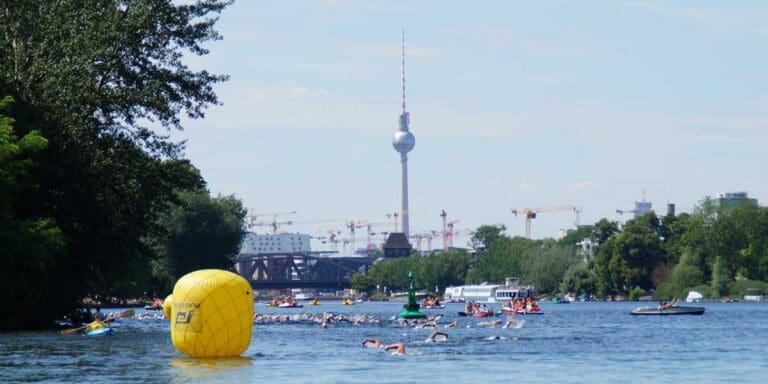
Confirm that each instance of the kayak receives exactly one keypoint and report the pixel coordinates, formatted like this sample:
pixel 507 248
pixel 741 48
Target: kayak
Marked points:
pixel 668 311
pixel 100 332
pixel 289 305
pixel 434 306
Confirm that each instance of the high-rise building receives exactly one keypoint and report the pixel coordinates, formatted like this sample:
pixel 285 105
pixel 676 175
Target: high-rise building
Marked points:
pixel 732 199
pixel 403 142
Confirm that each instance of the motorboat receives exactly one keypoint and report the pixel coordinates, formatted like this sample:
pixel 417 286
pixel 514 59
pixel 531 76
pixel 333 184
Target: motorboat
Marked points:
pixel 507 310
pixel 674 310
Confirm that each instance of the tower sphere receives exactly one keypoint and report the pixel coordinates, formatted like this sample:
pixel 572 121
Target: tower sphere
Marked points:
pixel 403 141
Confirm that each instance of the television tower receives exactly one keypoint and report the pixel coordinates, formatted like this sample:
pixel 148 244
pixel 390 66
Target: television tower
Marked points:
pixel 403 141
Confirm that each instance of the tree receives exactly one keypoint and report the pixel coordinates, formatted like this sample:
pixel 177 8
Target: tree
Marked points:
pixel 578 279
pixel 626 260
pixel 544 267
pixel 198 233
pixel 91 76
pixel 502 259
pixel 362 283
pixel 604 230
pixel 485 235
pixel 27 244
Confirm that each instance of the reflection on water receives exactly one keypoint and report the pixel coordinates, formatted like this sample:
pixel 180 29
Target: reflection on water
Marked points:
pixel 192 369
pixel 581 342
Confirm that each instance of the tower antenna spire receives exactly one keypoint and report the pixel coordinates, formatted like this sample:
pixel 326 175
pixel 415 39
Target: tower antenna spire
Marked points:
pixel 403 67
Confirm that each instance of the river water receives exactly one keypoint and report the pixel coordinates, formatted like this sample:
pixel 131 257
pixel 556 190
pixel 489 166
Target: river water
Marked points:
pixel 574 343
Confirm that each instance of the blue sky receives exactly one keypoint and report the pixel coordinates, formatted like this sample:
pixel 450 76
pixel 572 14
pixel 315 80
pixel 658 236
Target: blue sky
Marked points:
pixel 513 105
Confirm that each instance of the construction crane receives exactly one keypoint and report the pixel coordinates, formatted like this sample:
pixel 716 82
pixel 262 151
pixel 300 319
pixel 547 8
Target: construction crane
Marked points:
pixel 447 232
pixel 274 223
pixel 424 236
pixel 333 240
pixel 530 214
pixel 369 233
pixel 395 215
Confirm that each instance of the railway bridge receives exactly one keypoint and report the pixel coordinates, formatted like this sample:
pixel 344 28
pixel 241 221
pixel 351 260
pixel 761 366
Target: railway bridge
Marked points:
pixel 300 269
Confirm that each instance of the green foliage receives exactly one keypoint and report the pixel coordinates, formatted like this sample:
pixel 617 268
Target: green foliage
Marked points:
pixel 502 259
pixel 485 235
pixel 578 278
pixel 570 240
pixel 362 283
pixel 544 267
pixel 604 230
pixel 430 272
pixel 687 276
pixel 635 293
pixel 720 278
pixel 89 76
pixel 198 232
pixel 27 243
pixel 737 289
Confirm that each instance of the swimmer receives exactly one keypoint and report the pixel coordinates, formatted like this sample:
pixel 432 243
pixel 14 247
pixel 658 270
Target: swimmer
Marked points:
pixel 491 324
pixel 372 343
pixel 437 336
pixel 453 324
pixel 398 347
pixel 511 323
pixel 495 337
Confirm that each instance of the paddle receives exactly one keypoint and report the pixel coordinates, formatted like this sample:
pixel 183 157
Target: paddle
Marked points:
pixel 126 313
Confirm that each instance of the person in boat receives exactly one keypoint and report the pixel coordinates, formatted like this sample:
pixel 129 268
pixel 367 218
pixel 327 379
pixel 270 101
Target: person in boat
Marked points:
pixel 398 347
pixel 97 323
pixel 663 304
pixel 98 315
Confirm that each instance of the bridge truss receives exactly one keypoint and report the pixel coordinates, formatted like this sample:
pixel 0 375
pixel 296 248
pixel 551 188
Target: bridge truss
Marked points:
pixel 299 270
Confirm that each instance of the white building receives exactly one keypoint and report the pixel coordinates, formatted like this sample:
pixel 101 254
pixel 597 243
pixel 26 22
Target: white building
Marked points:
pixel 275 243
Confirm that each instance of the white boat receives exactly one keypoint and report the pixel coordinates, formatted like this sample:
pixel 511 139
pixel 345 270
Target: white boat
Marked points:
pixel 304 296
pixel 693 297
pixel 488 293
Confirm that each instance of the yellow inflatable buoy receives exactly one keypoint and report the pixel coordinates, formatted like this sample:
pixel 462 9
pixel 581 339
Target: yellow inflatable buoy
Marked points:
pixel 211 313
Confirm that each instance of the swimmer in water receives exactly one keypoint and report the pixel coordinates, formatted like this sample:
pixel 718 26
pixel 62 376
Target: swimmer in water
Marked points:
pixel 511 323
pixel 453 324
pixel 437 336
pixel 372 343
pixel 398 347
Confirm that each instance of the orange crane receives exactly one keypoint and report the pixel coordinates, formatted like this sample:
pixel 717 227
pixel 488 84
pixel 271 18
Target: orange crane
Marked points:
pixel 274 223
pixel 368 226
pixel 530 213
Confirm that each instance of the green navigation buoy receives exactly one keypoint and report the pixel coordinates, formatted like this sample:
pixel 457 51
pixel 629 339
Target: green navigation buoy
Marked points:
pixel 412 308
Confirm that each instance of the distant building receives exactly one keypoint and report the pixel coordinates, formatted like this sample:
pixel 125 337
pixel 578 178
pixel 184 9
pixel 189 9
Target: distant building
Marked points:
pixel 397 245
pixel 732 199
pixel 275 243
pixel 641 208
